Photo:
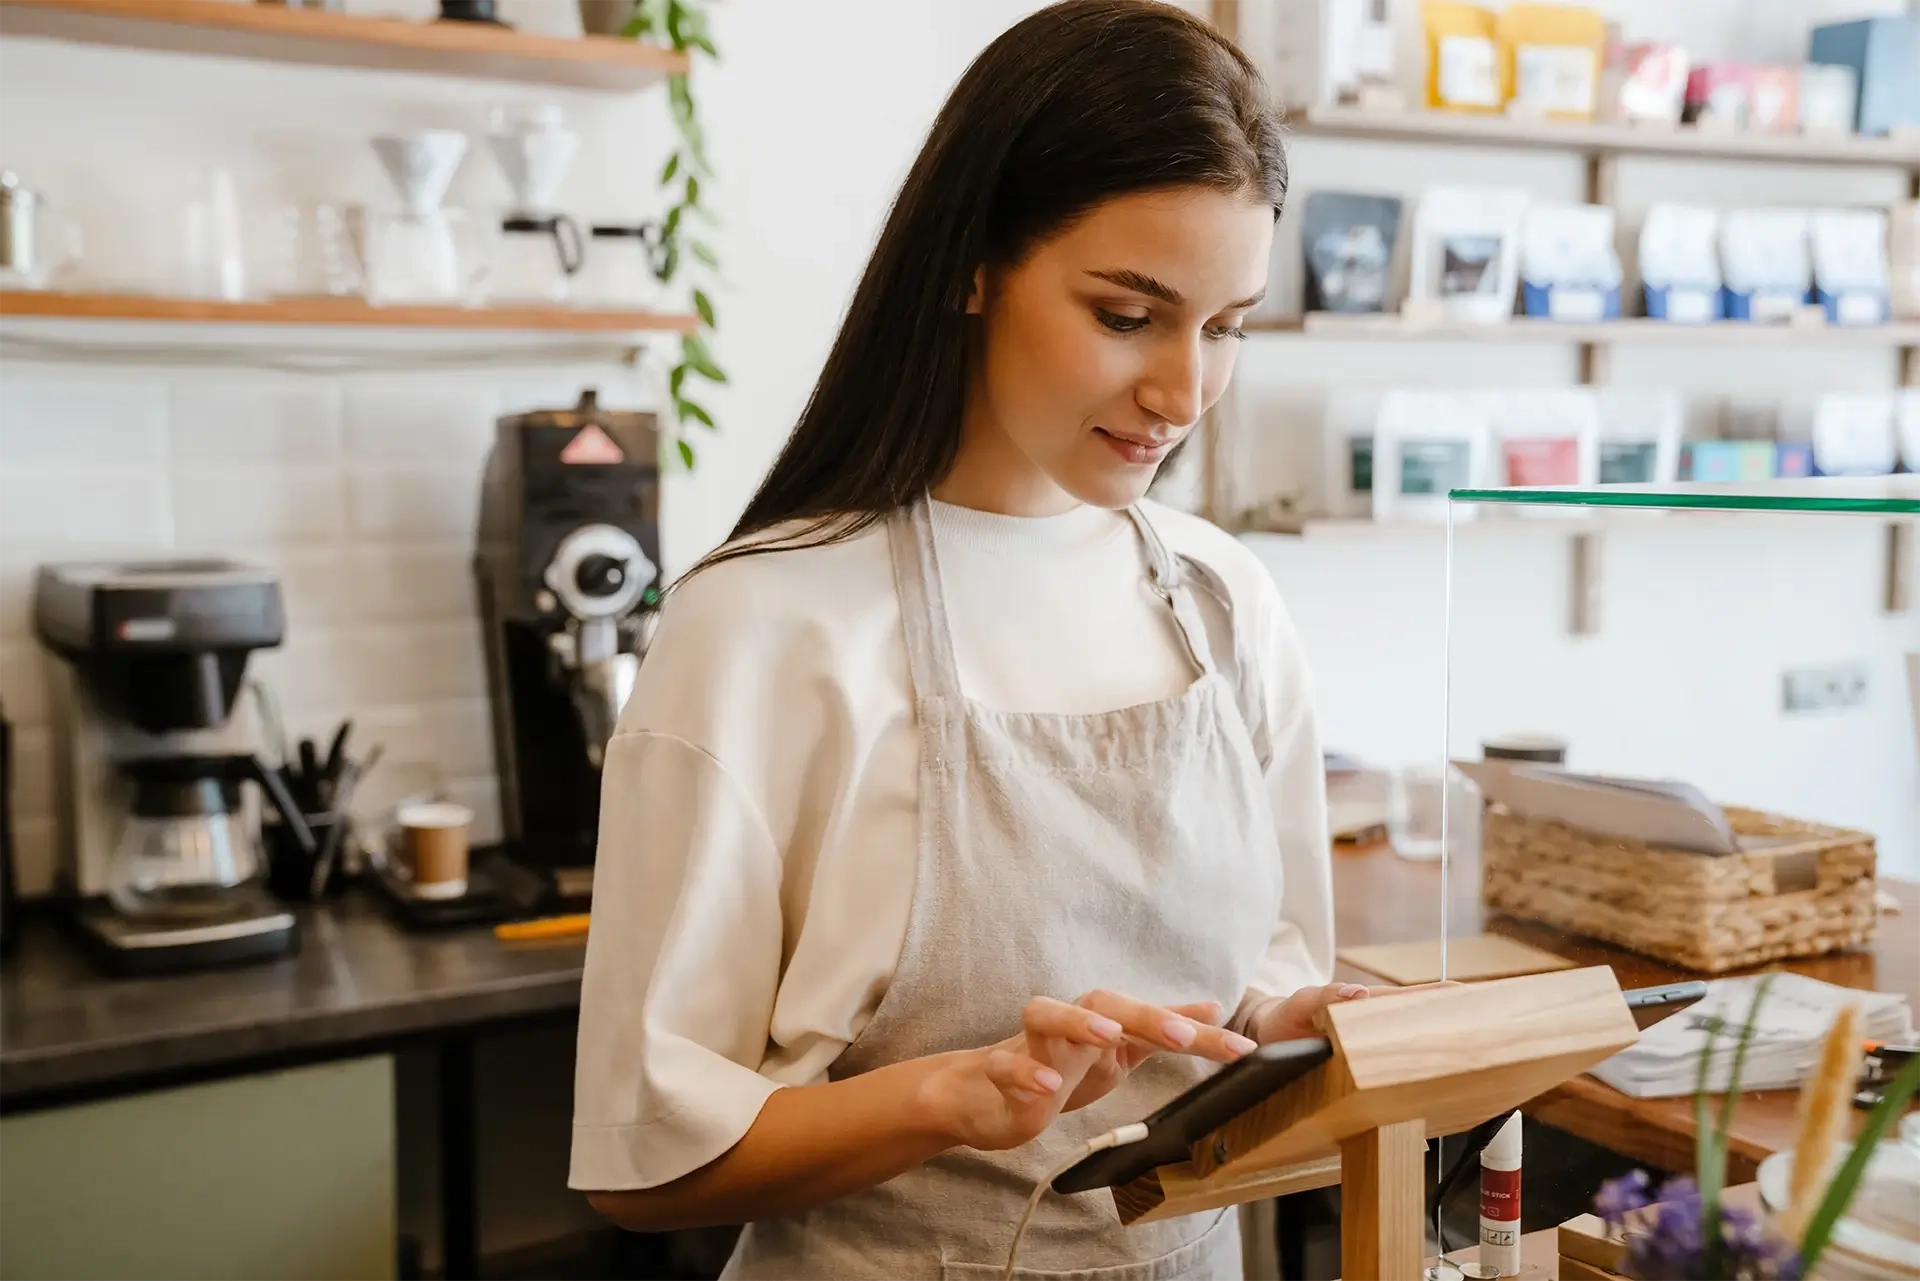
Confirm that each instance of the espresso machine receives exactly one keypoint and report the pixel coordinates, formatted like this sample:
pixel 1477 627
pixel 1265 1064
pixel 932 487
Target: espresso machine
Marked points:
pixel 158 855
pixel 569 581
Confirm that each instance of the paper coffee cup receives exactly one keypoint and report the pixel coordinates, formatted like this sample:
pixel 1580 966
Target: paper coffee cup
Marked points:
pixel 433 847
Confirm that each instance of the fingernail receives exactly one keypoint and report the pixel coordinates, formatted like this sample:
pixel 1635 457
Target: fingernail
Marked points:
pixel 1104 1028
pixel 1180 1031
pixel 1048 1078
pixel 1239 1044
pixel 1351 991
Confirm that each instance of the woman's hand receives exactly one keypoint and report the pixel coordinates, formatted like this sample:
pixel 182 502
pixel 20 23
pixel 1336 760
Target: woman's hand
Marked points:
pixel 1065 1056
pixel 1289 1018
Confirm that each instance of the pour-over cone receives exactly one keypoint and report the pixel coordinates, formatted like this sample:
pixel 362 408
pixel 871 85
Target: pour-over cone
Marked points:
pixel 534 162
pixel 421 165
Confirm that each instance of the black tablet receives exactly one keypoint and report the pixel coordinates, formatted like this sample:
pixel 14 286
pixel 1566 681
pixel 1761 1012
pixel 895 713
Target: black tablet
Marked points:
pixel 1651 1004
pixel 1175 1128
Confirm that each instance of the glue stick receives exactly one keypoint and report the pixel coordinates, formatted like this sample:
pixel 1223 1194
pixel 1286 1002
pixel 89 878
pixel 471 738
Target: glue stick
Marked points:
pixel 1500 1199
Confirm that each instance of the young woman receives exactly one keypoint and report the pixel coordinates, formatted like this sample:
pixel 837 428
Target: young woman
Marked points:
pixel 968 805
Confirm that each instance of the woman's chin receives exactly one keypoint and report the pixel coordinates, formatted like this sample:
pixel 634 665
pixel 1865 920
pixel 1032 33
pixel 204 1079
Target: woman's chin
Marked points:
pixel 1111 485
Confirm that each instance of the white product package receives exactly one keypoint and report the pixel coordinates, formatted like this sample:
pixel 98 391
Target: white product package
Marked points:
pixel 1569 269
pixel 1765 262
pixel 1542 436
pixel 1466 251
pixel 1346 452
pixel 1426 443
pixel 1680 263
pixel 1907 420
pixel 1640 431
pixel 1850 270
pixel 1853 434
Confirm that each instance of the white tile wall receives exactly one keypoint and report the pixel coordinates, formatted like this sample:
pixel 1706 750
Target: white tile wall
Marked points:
pixel 360 490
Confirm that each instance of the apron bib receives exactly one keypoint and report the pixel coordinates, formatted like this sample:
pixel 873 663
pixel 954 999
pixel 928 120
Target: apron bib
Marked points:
pixel 1132 850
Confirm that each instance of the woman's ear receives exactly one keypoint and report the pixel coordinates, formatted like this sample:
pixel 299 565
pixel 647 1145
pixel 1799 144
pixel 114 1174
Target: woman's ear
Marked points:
pixel 976 296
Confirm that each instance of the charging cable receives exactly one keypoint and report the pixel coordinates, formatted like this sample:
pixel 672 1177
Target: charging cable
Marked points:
pixel 1111 1139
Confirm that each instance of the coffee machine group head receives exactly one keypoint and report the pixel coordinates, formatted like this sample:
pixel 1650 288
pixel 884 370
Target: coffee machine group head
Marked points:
pixel 568 575
pixel 157 852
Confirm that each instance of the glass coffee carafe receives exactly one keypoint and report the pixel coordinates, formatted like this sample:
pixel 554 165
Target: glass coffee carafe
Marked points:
pixel 186 846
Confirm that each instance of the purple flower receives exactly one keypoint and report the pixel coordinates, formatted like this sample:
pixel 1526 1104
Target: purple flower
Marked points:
pixel 1672 1245
pixel 1620 1197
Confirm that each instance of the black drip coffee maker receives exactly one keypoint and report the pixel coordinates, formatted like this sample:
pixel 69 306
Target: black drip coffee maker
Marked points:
pixel 158 857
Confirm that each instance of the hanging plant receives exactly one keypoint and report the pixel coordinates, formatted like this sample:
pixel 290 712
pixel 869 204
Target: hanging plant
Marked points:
pixel 682 24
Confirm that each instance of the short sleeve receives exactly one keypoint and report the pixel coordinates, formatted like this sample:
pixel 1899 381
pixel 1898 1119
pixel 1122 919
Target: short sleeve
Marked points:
pixel 682 968
pixel 1300 953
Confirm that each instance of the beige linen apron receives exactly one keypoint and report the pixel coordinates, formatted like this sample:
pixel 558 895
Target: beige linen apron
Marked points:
pixel 1132 850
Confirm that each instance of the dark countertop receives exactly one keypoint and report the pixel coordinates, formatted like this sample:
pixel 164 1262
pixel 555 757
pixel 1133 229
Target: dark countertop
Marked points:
pixel 358 979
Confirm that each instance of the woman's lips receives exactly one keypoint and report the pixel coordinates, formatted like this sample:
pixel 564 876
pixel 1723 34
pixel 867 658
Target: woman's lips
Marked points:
pixel 1138 452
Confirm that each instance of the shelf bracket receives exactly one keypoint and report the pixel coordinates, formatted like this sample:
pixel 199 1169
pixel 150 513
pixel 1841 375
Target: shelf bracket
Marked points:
pixel 1583 581
pixel 1900 567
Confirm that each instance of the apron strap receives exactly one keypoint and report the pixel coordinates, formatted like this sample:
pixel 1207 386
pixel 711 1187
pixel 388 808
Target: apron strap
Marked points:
pixel 1170 584
pixel 923 604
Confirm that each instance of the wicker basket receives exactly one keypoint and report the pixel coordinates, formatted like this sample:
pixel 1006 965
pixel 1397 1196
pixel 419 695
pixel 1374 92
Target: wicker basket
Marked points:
pixel 1699 911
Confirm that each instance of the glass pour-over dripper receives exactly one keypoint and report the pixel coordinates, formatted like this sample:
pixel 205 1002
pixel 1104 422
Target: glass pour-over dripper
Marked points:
pixel 425 253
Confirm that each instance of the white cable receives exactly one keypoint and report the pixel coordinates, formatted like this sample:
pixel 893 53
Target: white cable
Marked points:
pixel 1111 1139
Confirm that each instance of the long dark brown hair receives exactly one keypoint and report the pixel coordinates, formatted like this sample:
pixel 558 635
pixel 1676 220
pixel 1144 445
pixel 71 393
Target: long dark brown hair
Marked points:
pixel 1079 103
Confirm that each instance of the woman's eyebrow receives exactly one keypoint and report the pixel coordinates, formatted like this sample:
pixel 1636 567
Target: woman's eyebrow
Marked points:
pixel 1141 283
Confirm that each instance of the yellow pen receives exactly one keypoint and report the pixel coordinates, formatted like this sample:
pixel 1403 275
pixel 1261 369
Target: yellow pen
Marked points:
pixel 546 927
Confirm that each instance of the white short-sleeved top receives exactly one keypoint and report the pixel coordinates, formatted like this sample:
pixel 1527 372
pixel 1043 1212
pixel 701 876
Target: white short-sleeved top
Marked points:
pixel 760 803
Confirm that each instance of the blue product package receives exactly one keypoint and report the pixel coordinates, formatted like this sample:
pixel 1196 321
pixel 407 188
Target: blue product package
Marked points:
pixel 1885 56
pixel 1686 304
pixel 1562 300
pixel 1793 459
pixel 1761 304
pixel 1855 306
pixel 1728 460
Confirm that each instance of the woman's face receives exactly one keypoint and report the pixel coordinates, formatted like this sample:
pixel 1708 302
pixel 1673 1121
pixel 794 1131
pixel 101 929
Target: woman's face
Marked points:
pixel 1099 352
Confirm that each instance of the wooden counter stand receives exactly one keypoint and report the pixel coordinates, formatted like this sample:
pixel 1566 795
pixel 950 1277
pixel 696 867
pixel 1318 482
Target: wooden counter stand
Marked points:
pixel 1405 1068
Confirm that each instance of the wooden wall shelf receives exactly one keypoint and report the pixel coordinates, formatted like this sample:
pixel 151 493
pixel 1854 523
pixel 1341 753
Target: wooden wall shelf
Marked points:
pixel 275 34
pixel 1633 329
pixel 1465 129
pixel 336 312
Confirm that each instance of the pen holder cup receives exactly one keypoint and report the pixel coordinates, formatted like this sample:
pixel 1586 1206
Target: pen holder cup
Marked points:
pixel 290 869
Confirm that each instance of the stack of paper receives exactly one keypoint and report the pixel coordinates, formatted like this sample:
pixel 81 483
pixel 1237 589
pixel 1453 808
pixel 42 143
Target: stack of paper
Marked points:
pixel 1794 1017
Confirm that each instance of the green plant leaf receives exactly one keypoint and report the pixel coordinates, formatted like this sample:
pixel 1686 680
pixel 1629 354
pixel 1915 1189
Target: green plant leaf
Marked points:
pixel 694 352
pixel 673 167
pixel 705 45
pixel 672 225
pixel 1706 1164
pixel 686 452
pixel 695 141
pixel 680 99
pixel 690 410
pixel 704 305
pixel 693 190
pixel 704 252
pixel 670 263
pixel 676 380
pixel 1713 1176
pixel 1839 1195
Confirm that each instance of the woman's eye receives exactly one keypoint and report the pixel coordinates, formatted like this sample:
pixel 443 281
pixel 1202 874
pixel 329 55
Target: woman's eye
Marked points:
pixel 1225 331
pixel 1118 323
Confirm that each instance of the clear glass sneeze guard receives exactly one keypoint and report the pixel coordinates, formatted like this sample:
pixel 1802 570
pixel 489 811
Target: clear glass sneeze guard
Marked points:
pixel 1654 692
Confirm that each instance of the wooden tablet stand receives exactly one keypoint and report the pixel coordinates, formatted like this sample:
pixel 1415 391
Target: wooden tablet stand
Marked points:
pixel 1405 1068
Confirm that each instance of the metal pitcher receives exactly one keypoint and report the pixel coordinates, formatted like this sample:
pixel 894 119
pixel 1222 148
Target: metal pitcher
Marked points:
pixel 36 241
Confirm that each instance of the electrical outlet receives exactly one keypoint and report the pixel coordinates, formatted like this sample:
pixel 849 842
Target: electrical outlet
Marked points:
pixel 1819 689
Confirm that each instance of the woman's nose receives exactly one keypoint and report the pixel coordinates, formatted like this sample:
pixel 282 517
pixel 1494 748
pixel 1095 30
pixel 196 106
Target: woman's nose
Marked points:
pixel 1171 388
